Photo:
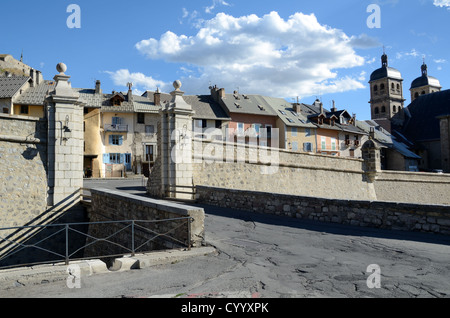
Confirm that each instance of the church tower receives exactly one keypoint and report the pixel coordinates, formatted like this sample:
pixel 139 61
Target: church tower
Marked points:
pixel 424 84
pixel 386 94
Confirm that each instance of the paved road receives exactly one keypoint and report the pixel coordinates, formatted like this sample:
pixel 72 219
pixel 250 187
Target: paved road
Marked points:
pixel 263 256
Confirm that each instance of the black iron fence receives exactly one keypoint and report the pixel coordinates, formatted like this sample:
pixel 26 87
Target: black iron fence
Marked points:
pixel 75 241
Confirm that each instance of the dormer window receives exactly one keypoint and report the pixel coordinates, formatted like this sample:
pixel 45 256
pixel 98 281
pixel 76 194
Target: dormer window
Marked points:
pixel 117 102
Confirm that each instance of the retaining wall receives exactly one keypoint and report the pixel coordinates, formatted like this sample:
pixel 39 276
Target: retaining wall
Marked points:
pixel 378 214
pixel 109 205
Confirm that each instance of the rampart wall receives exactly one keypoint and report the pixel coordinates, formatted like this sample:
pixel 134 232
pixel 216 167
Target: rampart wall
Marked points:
pixel 378 214
pixel 244 167
pixel 253 168
pixel 23 169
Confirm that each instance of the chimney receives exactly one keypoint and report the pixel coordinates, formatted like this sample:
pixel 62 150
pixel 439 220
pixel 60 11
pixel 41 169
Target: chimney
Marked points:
pixel 333 109
pixel 157 97
pixel 33 78
pixel 98 89
pixel 39 78
pixel 216 93
pixel 130 92
pixel 372 132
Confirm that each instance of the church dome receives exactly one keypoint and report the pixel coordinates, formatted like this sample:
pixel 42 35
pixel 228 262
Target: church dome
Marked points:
pixel 425 80
pixel 385 71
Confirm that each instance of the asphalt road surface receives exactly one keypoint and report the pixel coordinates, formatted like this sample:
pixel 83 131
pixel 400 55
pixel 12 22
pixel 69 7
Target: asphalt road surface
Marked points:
pixel 266 256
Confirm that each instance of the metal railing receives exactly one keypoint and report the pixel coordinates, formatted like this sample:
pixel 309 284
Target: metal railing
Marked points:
pixel 136 236
pixel 115 128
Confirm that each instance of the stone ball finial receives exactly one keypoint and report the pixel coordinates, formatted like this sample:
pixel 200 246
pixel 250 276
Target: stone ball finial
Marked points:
pixel 177 84
pixel 61 67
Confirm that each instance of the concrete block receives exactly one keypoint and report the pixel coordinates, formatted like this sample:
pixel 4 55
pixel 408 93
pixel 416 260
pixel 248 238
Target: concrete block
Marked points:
pixel 124 264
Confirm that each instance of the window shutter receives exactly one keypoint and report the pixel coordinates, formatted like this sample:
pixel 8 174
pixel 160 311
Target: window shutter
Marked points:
pixel 120 140
pixel 106 158
pixel 110 139
pixel 122 158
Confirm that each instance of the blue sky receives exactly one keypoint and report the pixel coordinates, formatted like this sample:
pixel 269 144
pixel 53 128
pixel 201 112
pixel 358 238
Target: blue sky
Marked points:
pixel 307 49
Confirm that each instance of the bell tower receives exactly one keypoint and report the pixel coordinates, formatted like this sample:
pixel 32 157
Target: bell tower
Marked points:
pixel 386 93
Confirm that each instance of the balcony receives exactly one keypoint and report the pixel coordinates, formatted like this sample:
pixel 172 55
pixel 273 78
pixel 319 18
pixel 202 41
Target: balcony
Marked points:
pixel 116 128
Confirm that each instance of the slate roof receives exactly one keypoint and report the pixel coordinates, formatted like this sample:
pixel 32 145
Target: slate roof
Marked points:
pixel 204 106
pixel 421 122
pixel 385 72
pixel 312 111
pixel 36 95
pixel 287 114
pixel 425 80
pixel 388 140
pixel 247 104
pixel 9 86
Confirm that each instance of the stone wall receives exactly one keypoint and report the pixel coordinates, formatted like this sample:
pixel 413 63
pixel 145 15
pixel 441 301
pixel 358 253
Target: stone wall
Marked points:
pixel 246 167
pixel 378 214
pixel 109 205
pixel 23 169
pixel 413 187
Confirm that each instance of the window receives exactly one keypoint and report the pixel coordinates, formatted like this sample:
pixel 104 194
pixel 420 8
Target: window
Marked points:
pixel 218 124
pixel 307 147
pixel 383 109
pixel 268 131
pixel 307 132
pixel 116 158
pixel 282 112
pixel 141 118
pixel 149 130
pixel 24 109
pixel 295 146
pixel 324 143
pixel 150 153
pixel 394 109
pixel 257 128
pixel 375 88
pixel 377 110
pixel 117 121
pixel 5 110
pixel 240 128
pixel 381 86
pixel 116 140
pixel 294 131
pixel 333 144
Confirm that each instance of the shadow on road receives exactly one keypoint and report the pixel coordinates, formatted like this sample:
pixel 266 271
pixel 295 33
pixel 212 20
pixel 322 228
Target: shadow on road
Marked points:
pixel 326 227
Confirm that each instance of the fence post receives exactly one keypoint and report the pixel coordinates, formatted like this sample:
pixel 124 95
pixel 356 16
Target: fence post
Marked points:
pixel 189 221
pixel 132 238
pixel 67 244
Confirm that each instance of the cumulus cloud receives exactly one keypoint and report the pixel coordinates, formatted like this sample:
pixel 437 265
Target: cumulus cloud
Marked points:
pixel 140 81
pixel 442 3
pixel 265 55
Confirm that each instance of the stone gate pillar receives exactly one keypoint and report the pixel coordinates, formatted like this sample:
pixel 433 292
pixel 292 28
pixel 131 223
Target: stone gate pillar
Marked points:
pixel 65 142
pixel 372 159
pixel 172 176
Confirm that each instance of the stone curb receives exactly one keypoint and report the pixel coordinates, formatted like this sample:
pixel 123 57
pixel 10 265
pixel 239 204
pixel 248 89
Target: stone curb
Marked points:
pixel 41 274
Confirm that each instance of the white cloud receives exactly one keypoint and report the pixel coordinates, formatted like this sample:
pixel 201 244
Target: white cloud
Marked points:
pixel 266 55
pixel 442 3
pixel 214 4
pixel 140 81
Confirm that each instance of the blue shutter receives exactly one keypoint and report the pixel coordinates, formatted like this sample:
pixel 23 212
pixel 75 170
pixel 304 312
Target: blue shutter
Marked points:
pixel 120 140
pixel 106 158
pixel 110 139
pixel 122 158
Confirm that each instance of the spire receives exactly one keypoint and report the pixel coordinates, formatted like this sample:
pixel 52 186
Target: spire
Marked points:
pixel 384 58
pixel 424 68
